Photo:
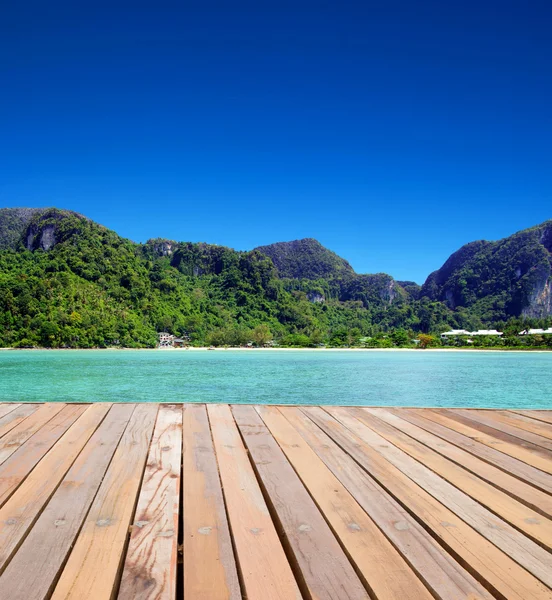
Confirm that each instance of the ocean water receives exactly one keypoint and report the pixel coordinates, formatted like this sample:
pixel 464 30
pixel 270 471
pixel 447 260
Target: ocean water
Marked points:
pixel 376 378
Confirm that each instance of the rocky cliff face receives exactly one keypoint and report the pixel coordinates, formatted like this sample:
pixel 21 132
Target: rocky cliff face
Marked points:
pixel 498 280
pixel 13 223
pixel 51 226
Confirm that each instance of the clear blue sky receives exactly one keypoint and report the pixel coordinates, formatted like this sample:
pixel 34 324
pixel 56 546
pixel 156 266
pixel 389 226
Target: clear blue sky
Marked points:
pixel 393 132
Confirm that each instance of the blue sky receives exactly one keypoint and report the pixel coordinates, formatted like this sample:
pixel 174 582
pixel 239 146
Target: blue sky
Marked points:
pixel 392 132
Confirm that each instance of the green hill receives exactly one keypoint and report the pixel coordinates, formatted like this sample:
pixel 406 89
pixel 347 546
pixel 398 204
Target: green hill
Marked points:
pixel 66 281
pixel 498 280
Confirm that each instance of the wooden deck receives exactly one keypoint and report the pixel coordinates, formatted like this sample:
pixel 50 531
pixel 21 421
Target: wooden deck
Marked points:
pixel 213 502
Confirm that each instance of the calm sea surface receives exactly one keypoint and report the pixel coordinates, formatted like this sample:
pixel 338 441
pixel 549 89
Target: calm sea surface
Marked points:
pixel 483 379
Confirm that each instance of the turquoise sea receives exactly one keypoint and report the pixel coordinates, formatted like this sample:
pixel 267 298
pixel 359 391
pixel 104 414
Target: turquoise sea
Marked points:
pixel 419 378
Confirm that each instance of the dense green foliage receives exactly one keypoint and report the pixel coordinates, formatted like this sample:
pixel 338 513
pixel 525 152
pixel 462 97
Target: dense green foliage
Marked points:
pixel 306 259
pixel 66 281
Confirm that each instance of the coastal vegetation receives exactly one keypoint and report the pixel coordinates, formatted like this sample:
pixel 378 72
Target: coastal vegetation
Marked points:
pixel 66 281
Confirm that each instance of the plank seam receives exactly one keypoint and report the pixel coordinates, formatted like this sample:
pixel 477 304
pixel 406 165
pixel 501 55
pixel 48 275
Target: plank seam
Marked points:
pixel 62 566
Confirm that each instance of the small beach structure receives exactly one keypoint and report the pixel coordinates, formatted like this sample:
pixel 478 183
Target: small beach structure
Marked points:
pixel 536 331
pixel 460 332
pixel 486 332
pixel 166 340
pixel 455 332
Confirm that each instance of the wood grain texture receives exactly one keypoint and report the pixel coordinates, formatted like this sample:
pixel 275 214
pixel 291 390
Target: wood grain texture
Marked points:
pixel 274 503
pixel 93 568
pixel 14 470
pixel 265 571
pixel 505 429
pixel 36 566
pixel 23 508
pixel 545 416
pixel 210 571
pixel 7 408
pixel 523 518
pixel 13 417
pixel 484 560
pixel 502 442
pixel 516 488
pixel 521 422
pixel 151 559
pixel 326 572
pixel 15 438
pixel 441 573
pixel 443 427
pixel 383 569
pixel 513 543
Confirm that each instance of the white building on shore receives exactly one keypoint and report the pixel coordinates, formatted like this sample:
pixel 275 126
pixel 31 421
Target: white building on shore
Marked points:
pixel 536 331
pixel 457 332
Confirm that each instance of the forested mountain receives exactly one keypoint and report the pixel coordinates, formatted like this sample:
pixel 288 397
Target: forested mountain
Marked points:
pixel 66 281
pixel 498 280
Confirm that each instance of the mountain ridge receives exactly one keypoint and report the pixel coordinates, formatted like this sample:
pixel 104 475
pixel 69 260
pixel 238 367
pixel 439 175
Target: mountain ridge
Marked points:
pixel 68 281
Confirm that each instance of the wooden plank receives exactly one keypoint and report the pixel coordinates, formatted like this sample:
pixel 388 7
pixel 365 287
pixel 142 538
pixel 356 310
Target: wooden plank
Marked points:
pixel 492 422
pixel 14 470
pixel 151 559
pixel 500 574
pixel 27 428
pixel 540 415
pixel 7 408
pixel 523 518
pixel 264 568
pixel 382 568
pixel 442 426
pixel 474 431
pixel 516 488
pixel 36 566
pixel 93 568
pixel 513 543
pixel 446 579
pixel 523 422
pixel 207 541
pixel 14 417
pixel 326 572
pixel 21 511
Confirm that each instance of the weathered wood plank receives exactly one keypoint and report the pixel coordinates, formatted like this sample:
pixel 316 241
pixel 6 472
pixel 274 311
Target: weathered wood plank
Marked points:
pixel 523 422
pixel 383 569
pixel 492 423
pixel 540 415
pixel 7 408
pixel 442 574
pixel 475 431
pixel 14 417
pixel 502 575
pixel 264 568
pixel 15 438
pixel 22 509
pixel 513 543
pixel 528 521
pixel 516 488
pixel 151 559
pixel 210 571
pixel 93 568
pixel 442 427
pixel 14 470
pixel 326 571
pixel 35 568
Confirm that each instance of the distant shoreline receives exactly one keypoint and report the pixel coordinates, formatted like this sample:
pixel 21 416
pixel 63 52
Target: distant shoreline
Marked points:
pixel 240 349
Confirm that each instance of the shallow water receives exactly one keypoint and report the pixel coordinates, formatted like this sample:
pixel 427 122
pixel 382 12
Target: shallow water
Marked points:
pixel 482 379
